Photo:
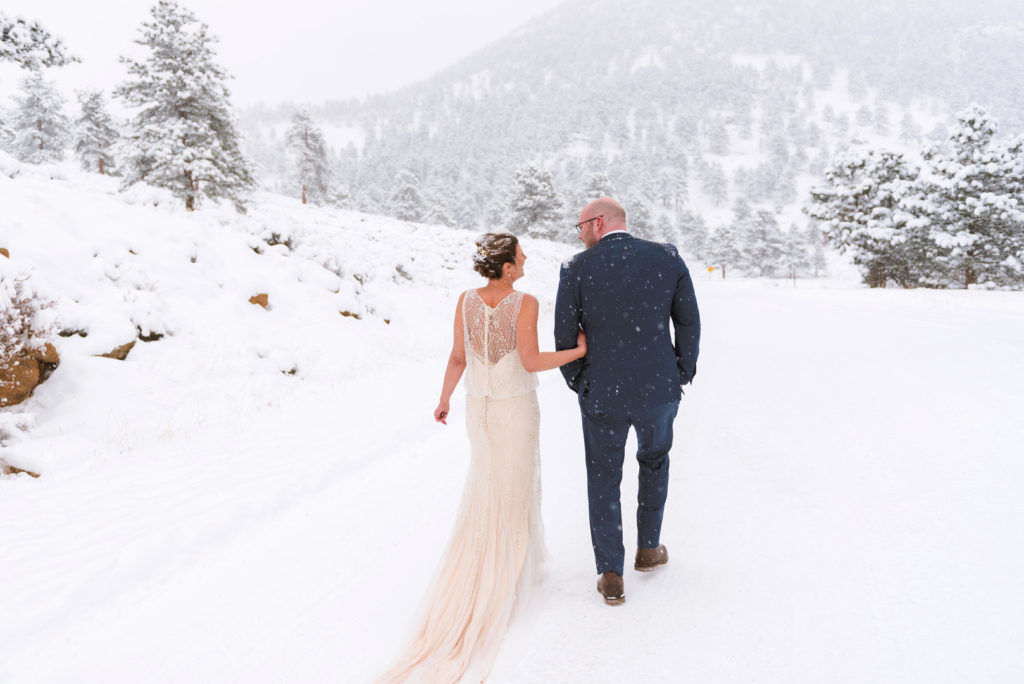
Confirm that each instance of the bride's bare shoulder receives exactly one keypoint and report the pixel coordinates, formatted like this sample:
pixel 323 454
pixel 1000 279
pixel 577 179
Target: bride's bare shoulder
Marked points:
pixel 530 300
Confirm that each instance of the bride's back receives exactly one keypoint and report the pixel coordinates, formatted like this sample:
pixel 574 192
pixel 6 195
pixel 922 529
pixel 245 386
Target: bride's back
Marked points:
pixel 493 367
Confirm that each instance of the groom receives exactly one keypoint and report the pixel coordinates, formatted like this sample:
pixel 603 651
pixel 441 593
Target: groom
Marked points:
pixel 624 292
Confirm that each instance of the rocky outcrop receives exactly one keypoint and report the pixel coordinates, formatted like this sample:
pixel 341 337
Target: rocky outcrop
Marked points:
pixel 20 376
pixel 46 354
pixel 119 353
pixel 12 470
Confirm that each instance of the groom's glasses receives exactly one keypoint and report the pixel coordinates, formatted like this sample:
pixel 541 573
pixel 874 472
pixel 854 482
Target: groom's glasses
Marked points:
pixel 579 226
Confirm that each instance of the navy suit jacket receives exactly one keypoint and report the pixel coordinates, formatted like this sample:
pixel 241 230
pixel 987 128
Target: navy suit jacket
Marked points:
pixel 625 292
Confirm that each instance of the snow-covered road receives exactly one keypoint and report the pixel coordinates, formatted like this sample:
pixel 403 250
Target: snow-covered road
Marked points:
pixel 845 506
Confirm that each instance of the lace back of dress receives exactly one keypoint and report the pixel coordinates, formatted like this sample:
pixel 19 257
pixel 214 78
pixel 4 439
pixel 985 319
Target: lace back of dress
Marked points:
pixel 491 332
pixel 493 366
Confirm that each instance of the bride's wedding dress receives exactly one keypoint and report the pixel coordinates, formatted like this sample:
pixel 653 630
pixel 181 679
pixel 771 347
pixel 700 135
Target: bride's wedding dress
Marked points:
pixel 497 544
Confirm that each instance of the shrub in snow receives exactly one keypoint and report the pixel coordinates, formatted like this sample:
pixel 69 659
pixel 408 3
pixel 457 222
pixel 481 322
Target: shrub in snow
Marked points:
pixel 22 328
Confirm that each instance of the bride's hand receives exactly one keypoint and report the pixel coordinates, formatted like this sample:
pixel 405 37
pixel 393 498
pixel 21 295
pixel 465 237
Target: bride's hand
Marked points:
pixel 441 413
pixel 581 343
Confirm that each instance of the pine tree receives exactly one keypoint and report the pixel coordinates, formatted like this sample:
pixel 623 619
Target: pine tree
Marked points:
pixel 184 137
pixel 40 126
pixel 714 183
pixel 30 45
pixel 596 185
pixel 6 131
pixel 971 202
pixel 863 116
pixel 406 198
pixel 722 249
pixel 718 137
pixel 792 259
pixel 95 134
pixel 664 229
pixel 305 141
pixel 760 243
pixel 692 232
pixel 815 241
pixel 680 189
pixel 910 131
pixel 859 204
pixel 533 206
pixel 639 218
pixel 441 207
pixel 882 120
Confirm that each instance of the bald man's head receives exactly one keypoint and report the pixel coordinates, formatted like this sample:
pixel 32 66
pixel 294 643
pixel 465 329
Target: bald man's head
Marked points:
pixel 612 217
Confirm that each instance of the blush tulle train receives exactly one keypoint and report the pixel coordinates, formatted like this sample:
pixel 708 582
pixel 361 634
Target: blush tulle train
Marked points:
pixel 494 556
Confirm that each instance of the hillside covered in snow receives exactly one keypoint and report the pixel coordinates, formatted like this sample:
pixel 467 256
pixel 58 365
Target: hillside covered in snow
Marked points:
pixel 261 494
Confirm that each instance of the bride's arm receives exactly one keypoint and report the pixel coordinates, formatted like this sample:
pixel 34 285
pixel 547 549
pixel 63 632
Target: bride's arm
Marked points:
pixel 456 365
pixel 533 359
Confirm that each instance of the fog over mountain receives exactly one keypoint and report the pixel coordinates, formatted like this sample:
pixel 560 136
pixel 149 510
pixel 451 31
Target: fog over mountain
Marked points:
pixel 685 105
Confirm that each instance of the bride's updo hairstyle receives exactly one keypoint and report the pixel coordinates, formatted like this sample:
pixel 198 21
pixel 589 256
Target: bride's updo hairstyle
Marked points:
pixel 494 250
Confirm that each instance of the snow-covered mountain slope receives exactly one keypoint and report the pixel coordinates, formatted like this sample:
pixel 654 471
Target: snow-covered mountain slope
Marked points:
pixel 844 501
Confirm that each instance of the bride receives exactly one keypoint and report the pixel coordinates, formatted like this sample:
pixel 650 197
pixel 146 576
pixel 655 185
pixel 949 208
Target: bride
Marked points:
pixel 497 544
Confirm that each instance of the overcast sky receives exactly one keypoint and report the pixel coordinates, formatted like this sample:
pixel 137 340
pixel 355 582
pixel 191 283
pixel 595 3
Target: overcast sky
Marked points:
pixel 302 50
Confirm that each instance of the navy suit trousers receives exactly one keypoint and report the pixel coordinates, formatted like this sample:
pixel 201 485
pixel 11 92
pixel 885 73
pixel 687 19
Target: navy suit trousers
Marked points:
pixel 604 439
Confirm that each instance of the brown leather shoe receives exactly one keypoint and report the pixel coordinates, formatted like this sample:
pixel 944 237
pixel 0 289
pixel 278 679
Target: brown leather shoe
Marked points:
pixel 609 584
pixel 649 559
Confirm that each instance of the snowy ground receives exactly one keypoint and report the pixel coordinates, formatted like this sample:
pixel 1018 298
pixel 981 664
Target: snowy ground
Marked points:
pixel 845 501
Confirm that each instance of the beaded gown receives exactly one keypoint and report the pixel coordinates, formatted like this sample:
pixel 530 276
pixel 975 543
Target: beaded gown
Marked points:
pixel 497 545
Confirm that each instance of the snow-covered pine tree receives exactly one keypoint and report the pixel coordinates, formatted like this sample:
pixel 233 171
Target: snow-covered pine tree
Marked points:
pixel 680 189
pixel 40 126
pixel 533 205
pixel 311 172
pixel 859 206
pixel 184 137
pixel 30 45
pixel 717 137
pixel 864 116
pixel 910 131
pixel 341 197
pixel 972 203
pixel 793 258
pixel 95 134
pixel 596 185
pixel 639 218
pixel 6 130
pixel 713 183
pixel 721 249
pixel 816 245
pixel 406 198
pixel 882 120
pixel 693 233
pixel 441 206
pixel 760 244
pixel 665 229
